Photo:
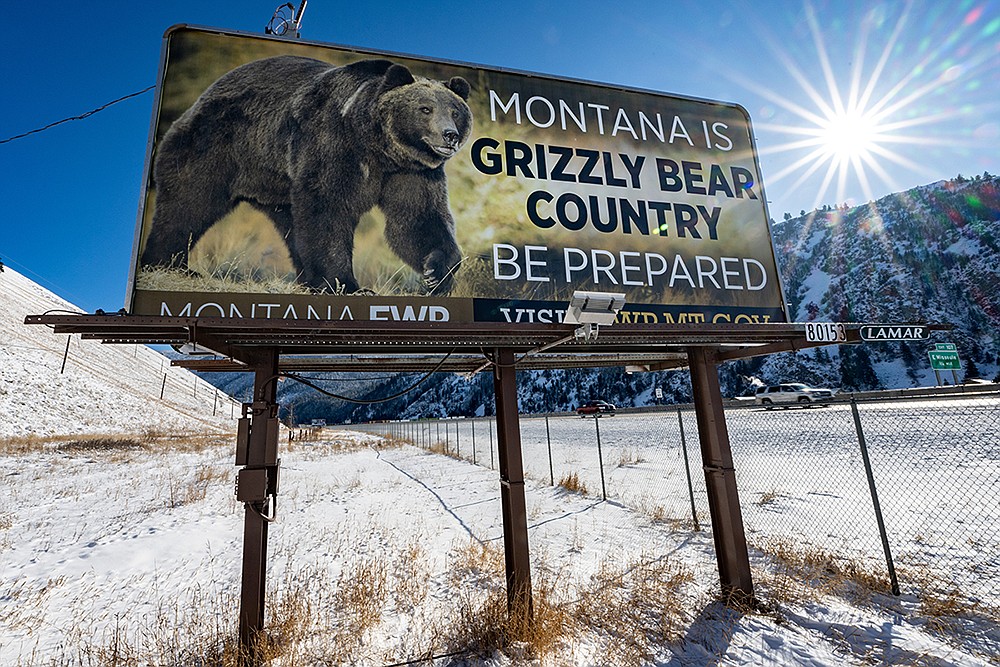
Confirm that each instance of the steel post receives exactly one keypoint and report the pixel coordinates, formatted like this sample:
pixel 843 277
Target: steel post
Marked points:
pixel 687 469
pixel 863 444
pixel 600 456
pixel 259 455
pixel 514 510
pixel 720 476
pixel 548 442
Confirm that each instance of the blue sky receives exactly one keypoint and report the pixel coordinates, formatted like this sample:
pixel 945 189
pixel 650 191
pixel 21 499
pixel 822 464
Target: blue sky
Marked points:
pixel 849 100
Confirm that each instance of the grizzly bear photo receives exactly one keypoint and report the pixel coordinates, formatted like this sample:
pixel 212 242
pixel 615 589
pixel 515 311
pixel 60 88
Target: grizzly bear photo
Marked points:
pixel 314 146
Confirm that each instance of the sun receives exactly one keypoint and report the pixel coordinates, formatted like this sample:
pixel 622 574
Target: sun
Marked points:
pixel 853 128
pixel 849 136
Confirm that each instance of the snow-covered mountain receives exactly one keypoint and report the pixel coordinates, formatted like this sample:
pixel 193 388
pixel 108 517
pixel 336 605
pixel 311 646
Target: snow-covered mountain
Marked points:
pixel 929 254
pixel 105 389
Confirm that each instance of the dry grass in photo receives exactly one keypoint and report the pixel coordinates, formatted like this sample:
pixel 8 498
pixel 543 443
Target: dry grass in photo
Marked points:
pixel 768 497
pixel 445 449
pixel 634 608
pixel 571 482
pixel 629 456
pixel 799 571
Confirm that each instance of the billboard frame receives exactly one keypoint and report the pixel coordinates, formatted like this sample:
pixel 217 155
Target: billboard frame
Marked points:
pixel 781 305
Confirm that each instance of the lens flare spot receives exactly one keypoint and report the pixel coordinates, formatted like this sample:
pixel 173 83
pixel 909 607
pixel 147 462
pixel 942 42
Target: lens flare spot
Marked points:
pixel 973 16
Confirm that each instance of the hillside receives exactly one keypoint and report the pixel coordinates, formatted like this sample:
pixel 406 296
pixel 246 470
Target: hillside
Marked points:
pixel 102 389
pixel 930 254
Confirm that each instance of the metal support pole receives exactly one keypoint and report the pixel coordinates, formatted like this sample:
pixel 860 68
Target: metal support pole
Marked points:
pixel 489 427
pixel 256 485
pixel 458 442
pixel 65 355
pixel 548 440
pixel 894 582
pixel 514 509
pixel 163 387
pixel 600 456
pixel 687 470
pixel 720 476
pixel 473 441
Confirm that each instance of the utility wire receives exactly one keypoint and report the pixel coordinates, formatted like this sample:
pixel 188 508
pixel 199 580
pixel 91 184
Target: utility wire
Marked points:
pixel 361 401
pixel 80 117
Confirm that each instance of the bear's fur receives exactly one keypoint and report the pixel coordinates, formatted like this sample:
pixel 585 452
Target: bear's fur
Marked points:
pixel 314 147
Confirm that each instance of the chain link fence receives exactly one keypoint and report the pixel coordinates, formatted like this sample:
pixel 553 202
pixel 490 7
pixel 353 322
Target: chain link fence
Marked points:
pixel 933 471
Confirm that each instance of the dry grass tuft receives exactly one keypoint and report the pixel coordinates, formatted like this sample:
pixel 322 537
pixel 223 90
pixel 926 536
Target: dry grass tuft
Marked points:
pixel 444 449
pixel 474 562
pixel 195 488
pixel 800 570
pixel 100 445
pixel 633 608
pixel 485 622
pixel 571 482
pixel 629 456
pixel 943 610
pixel 767 497
pixel 153 441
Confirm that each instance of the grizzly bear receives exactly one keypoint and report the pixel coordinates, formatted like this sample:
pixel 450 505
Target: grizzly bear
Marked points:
pixel 314 147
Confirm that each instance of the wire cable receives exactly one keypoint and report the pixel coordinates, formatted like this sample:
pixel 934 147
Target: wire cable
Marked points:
pixel 80 117
pixel 361 401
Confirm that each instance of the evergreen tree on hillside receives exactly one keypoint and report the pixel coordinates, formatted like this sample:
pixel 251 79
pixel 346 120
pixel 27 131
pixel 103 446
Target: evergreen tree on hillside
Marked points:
pixel 856 372
pixel 971 369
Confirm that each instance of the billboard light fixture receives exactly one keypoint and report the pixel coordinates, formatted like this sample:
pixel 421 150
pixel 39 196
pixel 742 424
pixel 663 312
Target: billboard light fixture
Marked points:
pixel 594 307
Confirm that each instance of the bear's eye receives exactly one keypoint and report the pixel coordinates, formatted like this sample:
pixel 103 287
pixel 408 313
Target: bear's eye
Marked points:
pixel 426 110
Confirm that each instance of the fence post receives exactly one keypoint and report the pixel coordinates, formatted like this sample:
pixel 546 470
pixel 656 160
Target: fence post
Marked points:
pixel 548 440
pixel 473 441
pixel 875 504
pixel 687 470
pixel 65 354
pixel 600 457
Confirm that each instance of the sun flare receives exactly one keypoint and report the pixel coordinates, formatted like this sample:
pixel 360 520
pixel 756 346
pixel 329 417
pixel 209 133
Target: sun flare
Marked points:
pixel 849 135
pixel 857 118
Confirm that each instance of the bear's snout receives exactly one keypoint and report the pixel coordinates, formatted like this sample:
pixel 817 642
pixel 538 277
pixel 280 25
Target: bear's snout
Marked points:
pixel 451 137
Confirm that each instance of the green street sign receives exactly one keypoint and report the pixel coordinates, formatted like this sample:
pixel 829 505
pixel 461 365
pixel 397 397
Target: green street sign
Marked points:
pixel 944 360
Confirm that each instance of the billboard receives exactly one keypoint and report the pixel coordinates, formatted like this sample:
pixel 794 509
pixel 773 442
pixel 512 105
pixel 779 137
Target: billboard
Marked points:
pixel 294 180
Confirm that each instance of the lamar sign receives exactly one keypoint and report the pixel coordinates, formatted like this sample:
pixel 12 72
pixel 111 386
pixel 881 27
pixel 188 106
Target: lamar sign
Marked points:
pixel 883 332
pixel 305 181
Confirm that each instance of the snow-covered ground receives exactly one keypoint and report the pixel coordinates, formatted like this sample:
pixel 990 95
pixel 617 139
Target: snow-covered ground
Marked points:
pixel 113 548
pixel 800 473
pixel 127 549
pixel 102 388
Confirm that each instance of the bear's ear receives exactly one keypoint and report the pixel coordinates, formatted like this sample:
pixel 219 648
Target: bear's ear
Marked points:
pixel 460 87
pixel 397 76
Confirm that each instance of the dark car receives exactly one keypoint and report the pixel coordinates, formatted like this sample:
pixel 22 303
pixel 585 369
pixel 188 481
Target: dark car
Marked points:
pixel 597 408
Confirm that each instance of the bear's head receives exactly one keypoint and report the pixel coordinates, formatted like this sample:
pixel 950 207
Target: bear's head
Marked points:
pixel 425 121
